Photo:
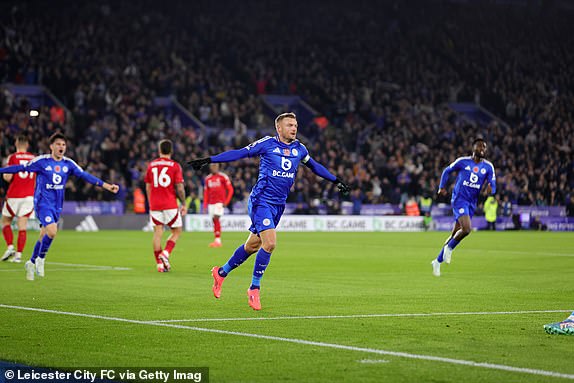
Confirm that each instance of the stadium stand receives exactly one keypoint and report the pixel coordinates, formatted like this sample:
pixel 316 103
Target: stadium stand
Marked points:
pixel 387 79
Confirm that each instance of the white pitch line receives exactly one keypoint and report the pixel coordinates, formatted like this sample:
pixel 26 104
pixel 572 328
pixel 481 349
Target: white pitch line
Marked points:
pixel 372 361
pixel 68 270
pixel 92 266
pixel 462 362
pixel 359 316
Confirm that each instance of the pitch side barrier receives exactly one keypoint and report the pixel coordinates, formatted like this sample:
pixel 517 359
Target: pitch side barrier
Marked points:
pixel 241 223
pixel 313 223
pixel 299 223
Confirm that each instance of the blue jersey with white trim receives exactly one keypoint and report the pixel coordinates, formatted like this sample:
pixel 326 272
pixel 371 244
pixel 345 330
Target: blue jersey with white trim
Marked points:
pixel 51 178
pixel 277 168
pixel 471 176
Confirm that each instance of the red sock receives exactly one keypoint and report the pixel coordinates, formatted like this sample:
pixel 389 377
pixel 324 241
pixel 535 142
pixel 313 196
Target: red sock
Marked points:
pixel 156 254
pixel 8 235
pixel 169 245
pixel 21 240
pixel 217 228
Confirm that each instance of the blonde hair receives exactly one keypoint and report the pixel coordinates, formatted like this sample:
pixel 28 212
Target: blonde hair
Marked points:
pixel 284 115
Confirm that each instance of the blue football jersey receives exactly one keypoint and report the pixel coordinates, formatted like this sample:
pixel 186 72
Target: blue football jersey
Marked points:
pixel 51 178
pixel 277 168
pixel 471 176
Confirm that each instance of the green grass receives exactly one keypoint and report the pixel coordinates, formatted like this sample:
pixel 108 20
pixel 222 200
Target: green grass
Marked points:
pixel 311 274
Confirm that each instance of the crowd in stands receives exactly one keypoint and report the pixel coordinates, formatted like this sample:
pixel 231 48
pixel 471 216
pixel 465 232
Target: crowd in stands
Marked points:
pixel 382 73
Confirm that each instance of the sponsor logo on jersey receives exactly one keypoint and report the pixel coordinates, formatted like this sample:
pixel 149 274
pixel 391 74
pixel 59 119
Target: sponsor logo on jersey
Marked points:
pixel 277 151
pixel 278 173
pixel 214 183
pixel 471 185
pixel 473 178
pixel 56 178
pixel 295 152
pixel 475 169
pixel 286 163
pixel 54 187
pixel 286 152
pixel 266 222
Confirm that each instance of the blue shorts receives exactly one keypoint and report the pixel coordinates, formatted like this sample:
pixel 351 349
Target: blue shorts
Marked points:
pixel 461 207
pixel 47 215
pixel 264 216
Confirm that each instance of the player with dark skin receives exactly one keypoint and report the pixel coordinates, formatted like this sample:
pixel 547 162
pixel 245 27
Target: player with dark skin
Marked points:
pixel 462 226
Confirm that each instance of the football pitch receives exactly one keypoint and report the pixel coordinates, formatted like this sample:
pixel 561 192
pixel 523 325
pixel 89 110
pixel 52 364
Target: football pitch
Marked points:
pixel 357 307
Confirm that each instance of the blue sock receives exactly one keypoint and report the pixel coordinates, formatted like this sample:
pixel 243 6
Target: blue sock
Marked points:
pixel 440 258
pixel 238 257
pixel 46 242
pixel 261 263
pixel 453 243
pixel 36 251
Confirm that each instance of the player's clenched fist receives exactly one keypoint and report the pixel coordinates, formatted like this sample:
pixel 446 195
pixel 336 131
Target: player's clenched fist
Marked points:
pixel 199 163
pixel 111 187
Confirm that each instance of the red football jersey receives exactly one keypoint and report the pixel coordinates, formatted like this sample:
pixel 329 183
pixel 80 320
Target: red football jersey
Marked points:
pixel 162 175
pixel 217 189
pixel 23 183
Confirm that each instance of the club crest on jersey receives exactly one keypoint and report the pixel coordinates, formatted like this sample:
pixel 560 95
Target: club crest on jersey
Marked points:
pixel 482 171
pixel 65 169
pixel 475 169
pixel 57 168
pixel 286 152
pixel 295 152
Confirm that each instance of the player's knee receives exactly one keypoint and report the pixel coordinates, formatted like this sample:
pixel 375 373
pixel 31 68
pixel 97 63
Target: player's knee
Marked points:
pixel 269 246
pixel 51 232
pixel 250 249
pixel 465 230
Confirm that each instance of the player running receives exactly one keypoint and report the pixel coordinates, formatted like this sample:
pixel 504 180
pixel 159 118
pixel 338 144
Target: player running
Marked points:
pixel 19 201
pixel 473 172
pixel 52 172
pixel 279 159
pixel 164 180
pixel 217 194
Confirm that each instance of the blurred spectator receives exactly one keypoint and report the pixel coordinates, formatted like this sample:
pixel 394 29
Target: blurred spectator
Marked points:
pixel 379 73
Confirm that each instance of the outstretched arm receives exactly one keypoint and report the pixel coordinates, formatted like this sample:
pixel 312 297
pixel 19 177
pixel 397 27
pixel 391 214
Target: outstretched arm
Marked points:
pixel 322 171
pixel 12 169
pixel 113 188
pixel 228 156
